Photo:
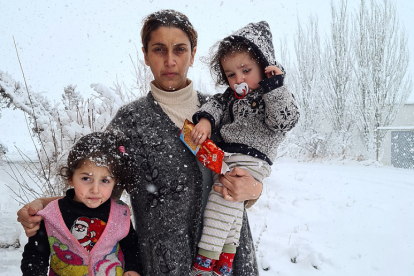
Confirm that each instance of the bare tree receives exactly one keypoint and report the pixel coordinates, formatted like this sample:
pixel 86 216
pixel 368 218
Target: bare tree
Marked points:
pixel 337 77
pixel 143 76
pixel 38 114
pixel 305 81
pixel 70 97
pixel 382 58
pixel 3 151
pixel 55 129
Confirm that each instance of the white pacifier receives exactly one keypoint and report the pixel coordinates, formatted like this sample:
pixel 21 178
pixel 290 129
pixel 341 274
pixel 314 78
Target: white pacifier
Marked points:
pixel 241 90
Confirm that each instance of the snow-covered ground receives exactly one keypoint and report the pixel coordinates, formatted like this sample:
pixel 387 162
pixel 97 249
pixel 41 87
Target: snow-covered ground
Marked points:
pixel 337 218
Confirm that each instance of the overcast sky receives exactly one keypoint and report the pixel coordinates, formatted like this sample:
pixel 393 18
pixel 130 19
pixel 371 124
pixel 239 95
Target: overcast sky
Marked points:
pixel 83 42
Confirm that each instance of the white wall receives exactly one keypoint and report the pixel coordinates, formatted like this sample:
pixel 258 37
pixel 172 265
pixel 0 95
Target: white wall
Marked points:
pixel 404 118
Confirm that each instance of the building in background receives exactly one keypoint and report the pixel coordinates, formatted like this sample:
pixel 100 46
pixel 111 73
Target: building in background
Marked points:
pixel 398 146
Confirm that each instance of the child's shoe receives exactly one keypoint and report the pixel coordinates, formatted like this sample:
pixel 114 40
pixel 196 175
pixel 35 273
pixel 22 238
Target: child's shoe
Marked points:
pixel 202 266
pixel 224 264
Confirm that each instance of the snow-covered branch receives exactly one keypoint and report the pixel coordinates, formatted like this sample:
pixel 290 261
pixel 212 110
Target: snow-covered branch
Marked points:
pixel 56 128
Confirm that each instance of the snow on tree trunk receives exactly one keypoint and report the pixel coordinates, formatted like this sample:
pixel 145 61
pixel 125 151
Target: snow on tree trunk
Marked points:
pixel 337 79
pixel 305 82
pixel 381 64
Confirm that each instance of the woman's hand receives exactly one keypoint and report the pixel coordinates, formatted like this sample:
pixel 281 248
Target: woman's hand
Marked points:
pixel 201 131
pixel 131 273
pixel 239 185
pixel 28 218
pixel 27 215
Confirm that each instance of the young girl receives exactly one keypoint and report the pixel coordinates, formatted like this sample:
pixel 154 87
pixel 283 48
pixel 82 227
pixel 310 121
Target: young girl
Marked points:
pixel 86 232
pixel 251 118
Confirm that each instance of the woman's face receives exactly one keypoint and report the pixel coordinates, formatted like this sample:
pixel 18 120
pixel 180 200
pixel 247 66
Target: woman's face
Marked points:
pixel 169 56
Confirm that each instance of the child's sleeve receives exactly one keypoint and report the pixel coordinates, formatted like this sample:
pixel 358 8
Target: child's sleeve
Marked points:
pixel 281 111
pixel 129 246
pixel 212 110
pixel 272 83
pixel 35 260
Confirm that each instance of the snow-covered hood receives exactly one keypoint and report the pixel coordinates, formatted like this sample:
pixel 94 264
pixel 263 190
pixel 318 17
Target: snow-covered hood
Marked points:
pixel 259 37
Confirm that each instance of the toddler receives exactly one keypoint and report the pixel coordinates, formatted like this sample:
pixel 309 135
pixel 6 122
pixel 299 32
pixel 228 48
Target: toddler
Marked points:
pixel 251 118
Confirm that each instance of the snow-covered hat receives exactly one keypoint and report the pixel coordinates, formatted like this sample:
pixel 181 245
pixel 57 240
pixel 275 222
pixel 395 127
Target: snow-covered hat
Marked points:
pixel 259 37
pixel 256 37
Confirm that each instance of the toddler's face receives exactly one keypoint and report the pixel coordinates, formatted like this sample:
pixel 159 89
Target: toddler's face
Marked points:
pixel 240 67
pixel 93 184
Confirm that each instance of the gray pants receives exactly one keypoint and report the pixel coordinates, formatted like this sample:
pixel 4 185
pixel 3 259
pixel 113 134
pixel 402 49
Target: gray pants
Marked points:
pixel 222 218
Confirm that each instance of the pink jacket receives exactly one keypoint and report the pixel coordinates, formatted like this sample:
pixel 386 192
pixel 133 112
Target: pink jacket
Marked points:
pixel 69 257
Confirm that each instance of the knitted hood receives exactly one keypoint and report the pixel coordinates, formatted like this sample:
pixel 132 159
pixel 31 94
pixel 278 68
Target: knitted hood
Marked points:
pixel 259 37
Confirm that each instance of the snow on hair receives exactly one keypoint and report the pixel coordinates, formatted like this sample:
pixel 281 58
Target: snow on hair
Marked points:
pixel 102 148
pixel 167 18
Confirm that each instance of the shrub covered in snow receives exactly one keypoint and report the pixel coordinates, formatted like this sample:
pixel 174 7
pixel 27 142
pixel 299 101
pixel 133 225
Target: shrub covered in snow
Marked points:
pixel 3 151
pixel 56 127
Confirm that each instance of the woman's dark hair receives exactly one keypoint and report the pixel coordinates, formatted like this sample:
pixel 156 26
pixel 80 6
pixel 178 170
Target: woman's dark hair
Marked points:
pixel 167 18
pixel 105 149
pixel 228 47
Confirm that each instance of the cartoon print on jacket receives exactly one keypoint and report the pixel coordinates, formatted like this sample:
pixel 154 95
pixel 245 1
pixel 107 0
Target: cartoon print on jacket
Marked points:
pixel 111 265
pixel 87 231
pixel 63 261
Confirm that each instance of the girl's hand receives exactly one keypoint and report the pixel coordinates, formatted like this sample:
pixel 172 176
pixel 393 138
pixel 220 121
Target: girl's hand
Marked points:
pixel 201 131
pixel 131 273
pixel 239 185
pixel 272 70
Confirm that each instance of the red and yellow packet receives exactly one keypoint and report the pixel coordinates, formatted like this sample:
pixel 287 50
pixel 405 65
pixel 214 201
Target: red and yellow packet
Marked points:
pixel 208 153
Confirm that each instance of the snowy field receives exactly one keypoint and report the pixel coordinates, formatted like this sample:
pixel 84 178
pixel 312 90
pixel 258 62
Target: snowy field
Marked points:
pixel 337 218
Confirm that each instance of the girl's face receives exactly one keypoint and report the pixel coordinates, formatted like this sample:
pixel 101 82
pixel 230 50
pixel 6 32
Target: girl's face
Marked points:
pixel 240 67
pixel 169 56
pixel 93 185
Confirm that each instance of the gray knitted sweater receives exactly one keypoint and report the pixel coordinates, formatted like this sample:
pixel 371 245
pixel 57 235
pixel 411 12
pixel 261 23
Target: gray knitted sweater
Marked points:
pixel 256 124
pixel 166 194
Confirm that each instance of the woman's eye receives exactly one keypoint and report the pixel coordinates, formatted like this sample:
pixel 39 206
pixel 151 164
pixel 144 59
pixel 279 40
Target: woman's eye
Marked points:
pixel 180 49
pixel 158 49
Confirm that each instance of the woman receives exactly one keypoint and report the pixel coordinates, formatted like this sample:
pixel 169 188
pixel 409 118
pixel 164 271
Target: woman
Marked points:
pixel 170 185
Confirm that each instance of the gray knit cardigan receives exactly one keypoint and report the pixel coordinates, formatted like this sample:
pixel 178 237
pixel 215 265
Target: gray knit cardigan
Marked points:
pixel 166 193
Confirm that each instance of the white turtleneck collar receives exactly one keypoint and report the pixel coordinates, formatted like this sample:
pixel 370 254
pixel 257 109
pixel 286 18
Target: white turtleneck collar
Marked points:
pixel 178 105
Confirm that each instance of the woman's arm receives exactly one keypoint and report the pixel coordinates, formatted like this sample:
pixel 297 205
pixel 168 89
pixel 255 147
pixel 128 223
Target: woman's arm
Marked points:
pixel 27 215
pixel 35 260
